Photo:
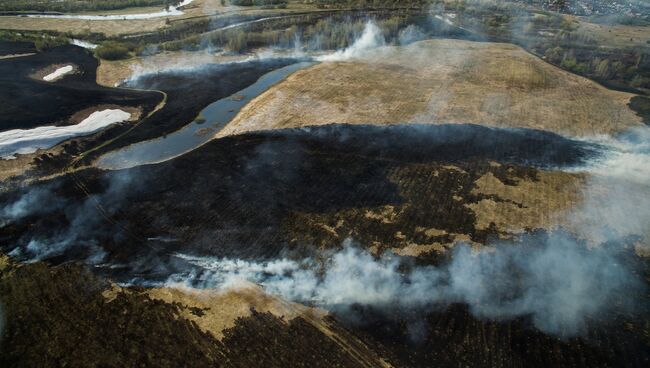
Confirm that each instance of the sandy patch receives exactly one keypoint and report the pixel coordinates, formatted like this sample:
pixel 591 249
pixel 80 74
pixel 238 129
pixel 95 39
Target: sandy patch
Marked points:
pixel 59 73
pixel 54 72
pixel 440 81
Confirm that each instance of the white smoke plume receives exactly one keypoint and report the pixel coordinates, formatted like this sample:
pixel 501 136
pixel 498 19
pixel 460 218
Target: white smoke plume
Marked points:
pixel 617 196
pixel 83 219
pixel 371 38
pixel 411 34
pixel 555 280
pixel 561 280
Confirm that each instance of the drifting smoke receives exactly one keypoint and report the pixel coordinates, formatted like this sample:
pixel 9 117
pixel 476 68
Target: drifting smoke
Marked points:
pixel 561 280
pixel 37 201
pixel 411 34
pixel 617 200
pixel 371 38
pixel 83 221
pixel 555 280
pixel 187 63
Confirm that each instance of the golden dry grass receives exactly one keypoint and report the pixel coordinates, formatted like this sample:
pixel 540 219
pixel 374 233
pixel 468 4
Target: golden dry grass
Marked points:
pixel 220 309
pixel 110 27
pixel 112 72
pixel 615 35
pixel 529 204
pixel 80 26
pixel 440 81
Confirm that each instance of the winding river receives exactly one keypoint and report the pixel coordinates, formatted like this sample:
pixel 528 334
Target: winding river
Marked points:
pixel 209 121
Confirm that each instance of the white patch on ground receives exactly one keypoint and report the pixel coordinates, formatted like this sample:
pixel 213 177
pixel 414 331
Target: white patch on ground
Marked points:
pixel 23 141
pixel 171 11
pixel 59 73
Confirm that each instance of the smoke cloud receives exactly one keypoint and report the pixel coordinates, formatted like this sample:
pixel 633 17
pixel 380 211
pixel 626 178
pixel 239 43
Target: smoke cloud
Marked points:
pixel 561 280
pixel 371 38
pixel 616 202
pixel 82 222
pixel 555 280
pixel 411 34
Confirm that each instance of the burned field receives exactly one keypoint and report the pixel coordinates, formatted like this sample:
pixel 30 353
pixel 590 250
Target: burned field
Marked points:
pixel 326 186
pixel 296 193
pixel 36 102
pixel 41 293
pixel 189 91
pixel 253 189
pixel 133 319
pixel 175 96
pixel 16 48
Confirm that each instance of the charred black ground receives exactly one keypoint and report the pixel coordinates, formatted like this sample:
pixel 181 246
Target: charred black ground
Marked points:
pixel 246 196
pixel 16 48
pixel 36 102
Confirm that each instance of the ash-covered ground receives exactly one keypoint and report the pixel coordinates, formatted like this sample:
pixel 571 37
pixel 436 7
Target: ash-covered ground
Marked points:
pixel 299 212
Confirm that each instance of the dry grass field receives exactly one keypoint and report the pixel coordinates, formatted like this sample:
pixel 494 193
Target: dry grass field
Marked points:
pixel 112 72
pixel 80 26
pixel 220 309
pixel 440 81
pixel 615 35
pixel 111 27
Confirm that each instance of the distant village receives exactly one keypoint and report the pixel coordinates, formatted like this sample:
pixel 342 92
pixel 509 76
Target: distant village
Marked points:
pixel 637 8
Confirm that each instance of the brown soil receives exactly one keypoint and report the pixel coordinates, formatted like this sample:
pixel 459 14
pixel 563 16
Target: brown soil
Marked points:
pixel 18 166
pixel 440 81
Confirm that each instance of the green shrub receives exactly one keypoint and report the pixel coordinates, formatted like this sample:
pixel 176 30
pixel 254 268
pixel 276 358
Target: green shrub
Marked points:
pixel 112 51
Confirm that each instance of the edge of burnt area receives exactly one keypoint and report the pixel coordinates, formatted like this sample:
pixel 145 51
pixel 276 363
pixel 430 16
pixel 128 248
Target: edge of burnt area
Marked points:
pixel 185 96
pixel 457 336
pixel 641 106
pixel 55 103
pixel 50 309
pixel 247 185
